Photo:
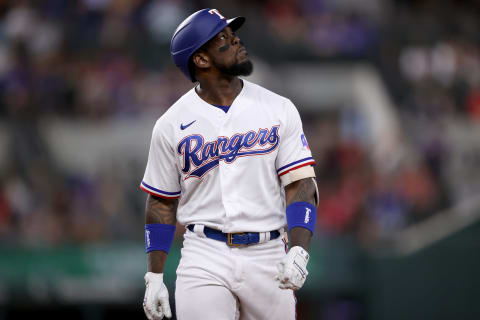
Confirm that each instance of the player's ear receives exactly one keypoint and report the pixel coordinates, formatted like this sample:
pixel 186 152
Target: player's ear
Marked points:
pixel 201 60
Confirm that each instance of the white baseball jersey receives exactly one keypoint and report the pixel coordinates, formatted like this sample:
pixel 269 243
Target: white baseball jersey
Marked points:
pixel 225 167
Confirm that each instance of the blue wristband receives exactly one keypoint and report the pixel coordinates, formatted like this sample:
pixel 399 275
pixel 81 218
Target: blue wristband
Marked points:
pixel 301 214
pixel 158 237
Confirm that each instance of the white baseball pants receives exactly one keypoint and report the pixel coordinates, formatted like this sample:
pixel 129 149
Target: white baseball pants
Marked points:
pixel 218 282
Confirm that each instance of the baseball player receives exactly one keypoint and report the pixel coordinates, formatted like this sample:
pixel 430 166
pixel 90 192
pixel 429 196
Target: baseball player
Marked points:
pixel 229 161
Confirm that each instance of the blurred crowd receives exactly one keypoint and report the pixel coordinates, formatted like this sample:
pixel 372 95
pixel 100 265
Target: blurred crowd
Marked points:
pixel 430 59
pixel 96 60
pixel 104 58
pixel 359 199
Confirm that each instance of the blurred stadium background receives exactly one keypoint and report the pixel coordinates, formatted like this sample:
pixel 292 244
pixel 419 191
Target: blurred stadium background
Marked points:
pixel 389 91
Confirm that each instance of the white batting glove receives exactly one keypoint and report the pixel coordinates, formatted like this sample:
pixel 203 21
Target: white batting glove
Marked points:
pixel 292 270
pixel 155 302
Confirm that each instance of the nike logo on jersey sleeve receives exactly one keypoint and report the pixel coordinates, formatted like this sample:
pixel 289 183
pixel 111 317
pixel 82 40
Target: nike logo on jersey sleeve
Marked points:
pixel 183 127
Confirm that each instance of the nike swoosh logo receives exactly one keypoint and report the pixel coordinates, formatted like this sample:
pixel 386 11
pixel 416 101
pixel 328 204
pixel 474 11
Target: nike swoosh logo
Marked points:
pixel 183 127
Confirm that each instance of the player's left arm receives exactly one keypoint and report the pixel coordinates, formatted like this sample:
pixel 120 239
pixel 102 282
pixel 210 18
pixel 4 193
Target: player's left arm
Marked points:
pixel 301 210
pixel 303 190
pixel 294 167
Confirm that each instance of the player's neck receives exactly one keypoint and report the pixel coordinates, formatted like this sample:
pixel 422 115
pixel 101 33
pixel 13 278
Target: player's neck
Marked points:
pixel 220 92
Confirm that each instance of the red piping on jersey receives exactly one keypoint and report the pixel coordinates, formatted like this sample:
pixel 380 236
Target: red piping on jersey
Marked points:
pixel 158 195
pixel 299 166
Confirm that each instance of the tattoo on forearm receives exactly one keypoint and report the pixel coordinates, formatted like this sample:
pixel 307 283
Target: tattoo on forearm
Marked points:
pixel 160 210
pixel 302 190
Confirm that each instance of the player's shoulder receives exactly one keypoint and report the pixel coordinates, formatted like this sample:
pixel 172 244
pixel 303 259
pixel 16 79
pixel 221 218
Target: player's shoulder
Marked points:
pixel 177 108
pixel 179 105
pixel 270 99
pixel 165 123
pixel 265 93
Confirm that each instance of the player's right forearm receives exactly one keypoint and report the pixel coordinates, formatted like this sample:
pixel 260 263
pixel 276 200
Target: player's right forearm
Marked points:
pixel 156 261
pixel 300 191
pixel 159 211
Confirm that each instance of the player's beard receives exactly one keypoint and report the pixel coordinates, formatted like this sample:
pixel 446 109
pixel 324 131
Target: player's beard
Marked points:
pixel 244 68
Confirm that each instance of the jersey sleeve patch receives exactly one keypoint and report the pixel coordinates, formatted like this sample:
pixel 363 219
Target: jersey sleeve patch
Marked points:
pixel 304 141
pixel 295 165
pixel 157 192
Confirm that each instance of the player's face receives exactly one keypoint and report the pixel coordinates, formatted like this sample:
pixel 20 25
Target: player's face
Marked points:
pixel 229 55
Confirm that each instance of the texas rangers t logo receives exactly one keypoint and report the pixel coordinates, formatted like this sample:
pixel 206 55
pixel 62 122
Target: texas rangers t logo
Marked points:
pixel 199 157
pixel 215 11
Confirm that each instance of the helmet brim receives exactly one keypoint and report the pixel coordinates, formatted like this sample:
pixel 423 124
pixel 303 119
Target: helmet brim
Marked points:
pixel 235 23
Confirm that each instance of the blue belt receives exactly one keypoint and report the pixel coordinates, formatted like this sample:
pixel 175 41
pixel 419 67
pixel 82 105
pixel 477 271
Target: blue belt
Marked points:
pixel 234 239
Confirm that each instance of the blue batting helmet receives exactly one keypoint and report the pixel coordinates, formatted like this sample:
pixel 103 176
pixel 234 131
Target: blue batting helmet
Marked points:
pixel 194 32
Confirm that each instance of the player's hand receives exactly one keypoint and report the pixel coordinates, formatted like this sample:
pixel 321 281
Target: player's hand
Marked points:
pixel 155 302
pixel 292 270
